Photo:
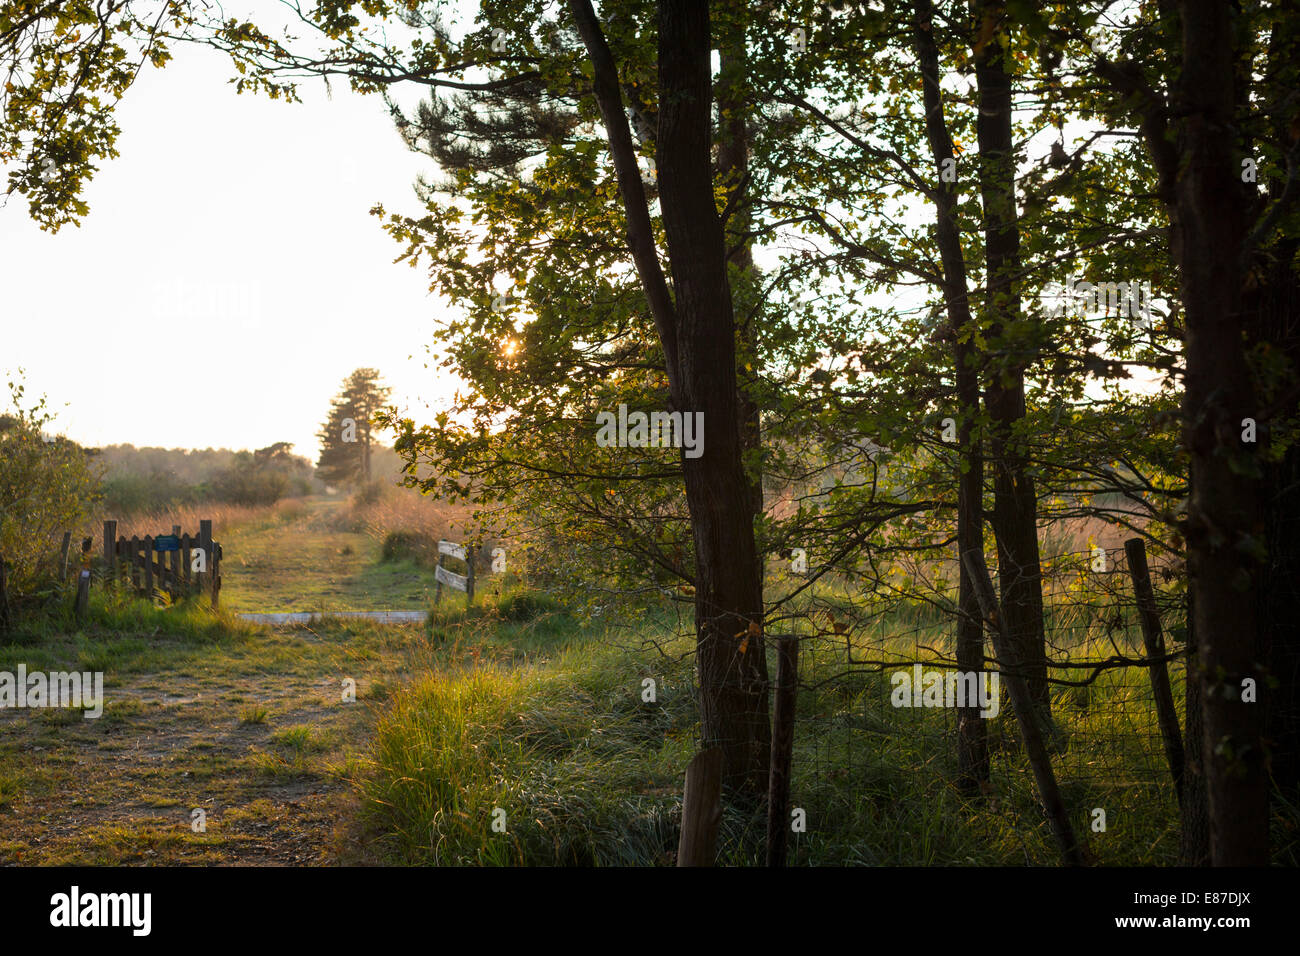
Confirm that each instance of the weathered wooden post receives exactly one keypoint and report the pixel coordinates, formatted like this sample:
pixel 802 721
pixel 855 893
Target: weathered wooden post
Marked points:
pixel 187 562
pixel 175 587
pixel 437 576
pixel 63 557
pixel 1153 639
pixel 205 544
pixel 216 574
pixel 1022 702
pixel 110 551
pixel 86 545
pixel 135 562
pixel 469 576
pixel 148 567
pixel 83 594
pixel 4 595
pixel 701 810
pixel 778 788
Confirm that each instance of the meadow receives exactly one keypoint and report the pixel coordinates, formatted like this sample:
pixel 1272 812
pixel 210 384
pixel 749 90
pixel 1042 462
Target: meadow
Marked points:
pixel 517 712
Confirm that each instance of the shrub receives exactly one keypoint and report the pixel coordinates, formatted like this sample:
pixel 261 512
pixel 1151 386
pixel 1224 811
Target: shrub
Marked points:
pixel 410 546
pixel 133 493
pixel 263 477
pixel 526 606
pixel 369 493
pixel 46 488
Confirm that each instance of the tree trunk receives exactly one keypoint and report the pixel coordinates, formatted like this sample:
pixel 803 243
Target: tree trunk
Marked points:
pixel 1273 310
pixel 1277 322
pixel 728 596
pixel 1222 515
pixel 972 735
pixel 1194 848
pixel 696 328
pixel 744 278
pixel 1015 502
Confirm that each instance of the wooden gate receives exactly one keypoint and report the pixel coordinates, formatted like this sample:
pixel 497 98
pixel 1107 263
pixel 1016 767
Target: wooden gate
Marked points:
pixel 178 564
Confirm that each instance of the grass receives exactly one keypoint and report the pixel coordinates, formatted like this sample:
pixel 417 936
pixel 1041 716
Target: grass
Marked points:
pixel 584 773
pixel 517 714
pixel 587 773
pixel 294 561
pixel 204 710
pixel 253 715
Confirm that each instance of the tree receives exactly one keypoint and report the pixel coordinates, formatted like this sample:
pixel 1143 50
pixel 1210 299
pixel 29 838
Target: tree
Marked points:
pixel 1211 89
pixel 66 65
pixel 346 435
pixel 538 81
pixel 263 477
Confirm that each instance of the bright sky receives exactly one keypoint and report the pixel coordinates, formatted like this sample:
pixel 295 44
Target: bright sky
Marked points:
pixel 229 275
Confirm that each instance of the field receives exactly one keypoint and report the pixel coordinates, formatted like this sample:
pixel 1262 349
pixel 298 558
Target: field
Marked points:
pixel 516 709
pixel 207 712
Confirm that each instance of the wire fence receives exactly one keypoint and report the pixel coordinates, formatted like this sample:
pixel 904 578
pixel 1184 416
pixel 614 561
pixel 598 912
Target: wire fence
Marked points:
pixel 876 735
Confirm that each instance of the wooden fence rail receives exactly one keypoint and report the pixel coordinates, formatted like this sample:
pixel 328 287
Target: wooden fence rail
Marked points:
pixel 459 582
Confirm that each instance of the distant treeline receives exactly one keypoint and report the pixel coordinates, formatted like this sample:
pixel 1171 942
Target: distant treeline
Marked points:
pixel 145 479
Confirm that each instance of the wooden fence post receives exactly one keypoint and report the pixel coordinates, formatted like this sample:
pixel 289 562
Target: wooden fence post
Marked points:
pixel 187 562
pixel 1149 616
pixel 216 574
pixel 175 587
pixel 701 810
pixel 63 557
pixel 110 551
pixel 83 594
pixel 135 563
pixel 4 595
pixel 205 543
pixel 437 590
pixel 1022 702
pixel 778 787
pixel 469 576
pixel 148 567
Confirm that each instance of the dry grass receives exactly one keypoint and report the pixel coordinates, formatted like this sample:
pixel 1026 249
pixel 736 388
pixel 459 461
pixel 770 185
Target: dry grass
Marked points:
pixel 224 517
pixel 402 509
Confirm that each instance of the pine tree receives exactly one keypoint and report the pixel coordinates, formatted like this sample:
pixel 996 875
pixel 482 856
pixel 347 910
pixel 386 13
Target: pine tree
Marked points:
pixel 346 435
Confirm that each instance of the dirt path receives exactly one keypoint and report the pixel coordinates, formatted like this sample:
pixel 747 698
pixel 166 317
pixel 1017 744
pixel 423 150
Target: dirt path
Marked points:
pixel 239 750
pixel 309 559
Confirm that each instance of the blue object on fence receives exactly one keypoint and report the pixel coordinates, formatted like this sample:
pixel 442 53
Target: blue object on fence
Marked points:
pixel 166 542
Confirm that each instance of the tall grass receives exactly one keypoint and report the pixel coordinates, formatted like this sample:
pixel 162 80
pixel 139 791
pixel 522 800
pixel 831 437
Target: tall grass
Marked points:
pixel 160 521
pixel 584 771
pixel 379 509
pixel 587 773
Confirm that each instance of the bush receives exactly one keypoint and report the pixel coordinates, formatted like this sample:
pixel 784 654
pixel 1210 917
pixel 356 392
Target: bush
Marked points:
pixel 46 488
pixel 369 493
pixel 524 606
pixel 263 477
pixel 413 546
pixel 135 493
